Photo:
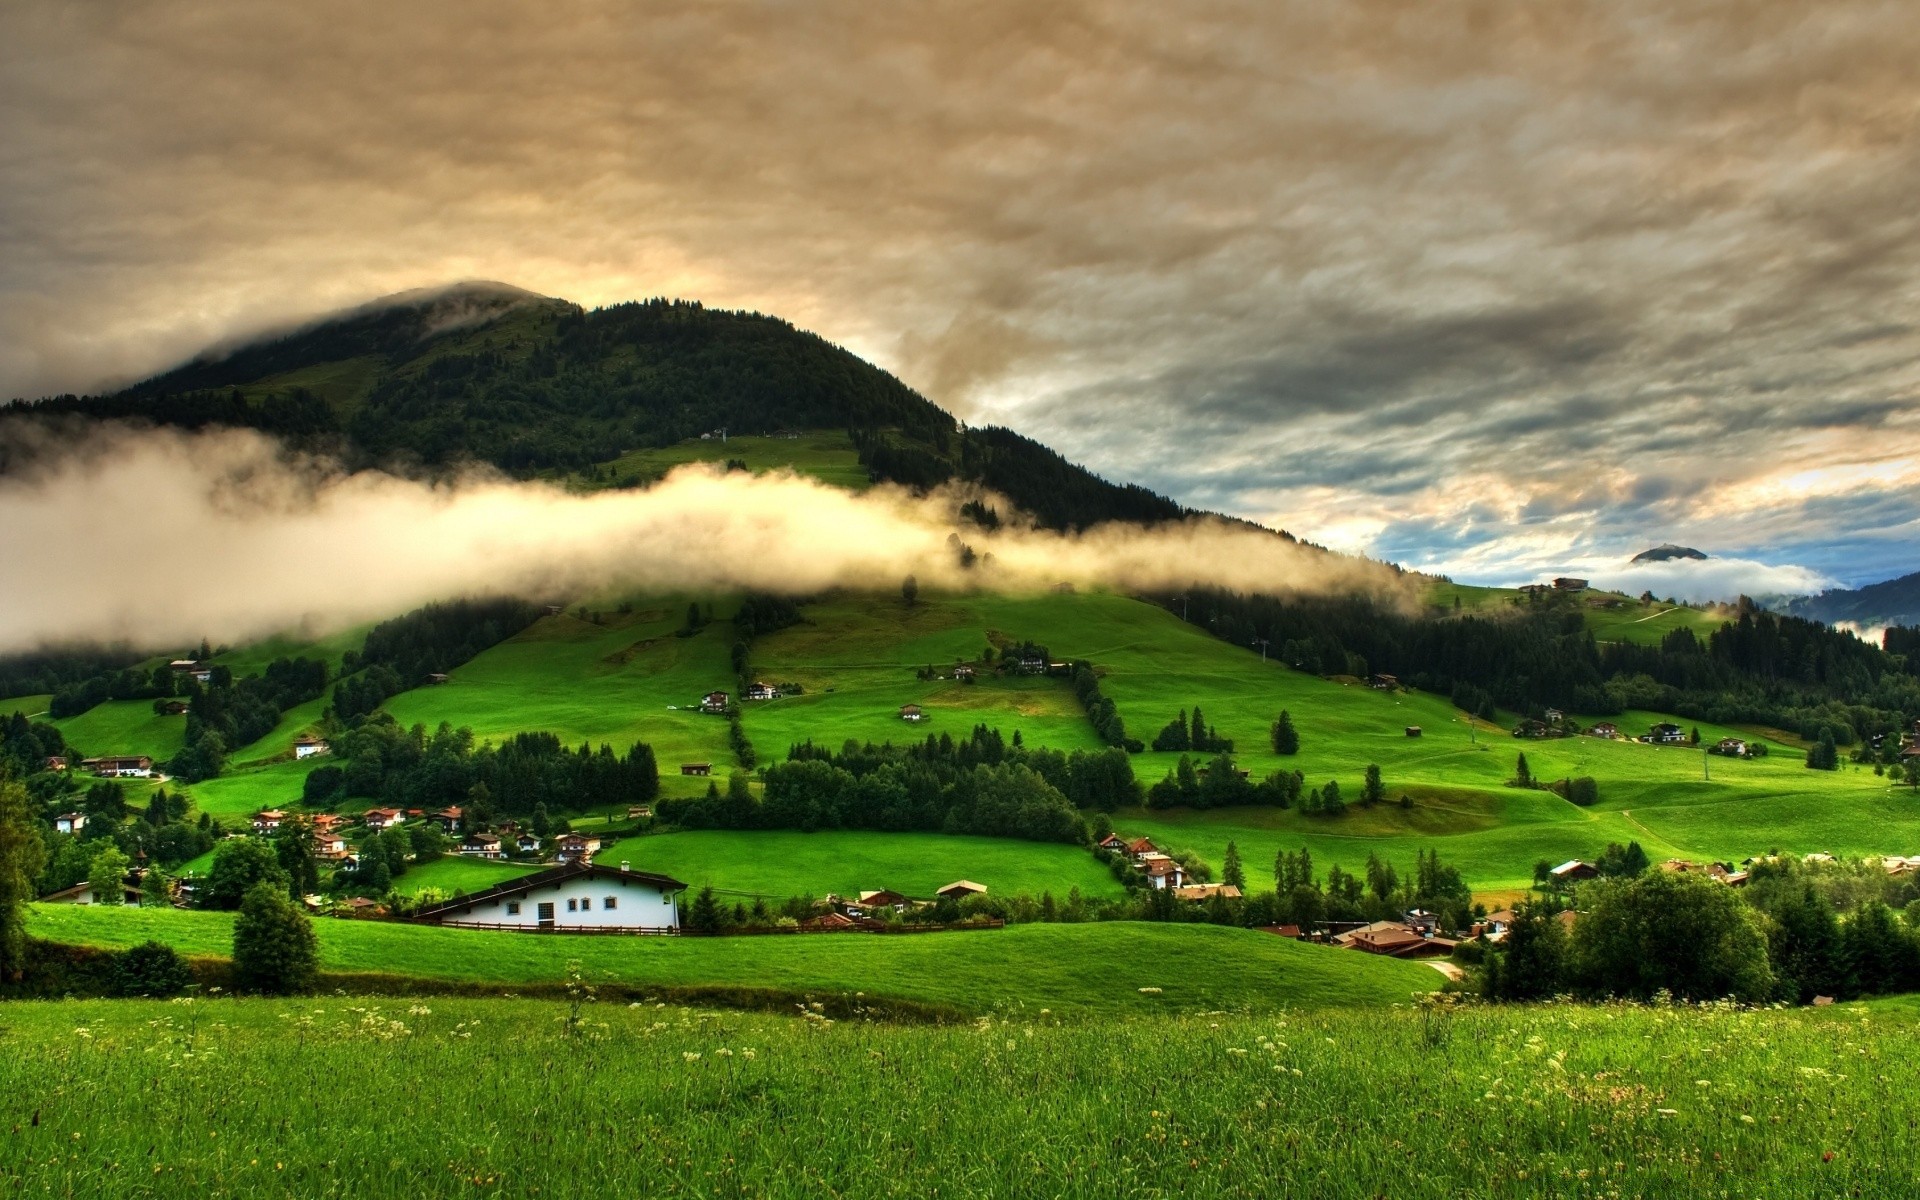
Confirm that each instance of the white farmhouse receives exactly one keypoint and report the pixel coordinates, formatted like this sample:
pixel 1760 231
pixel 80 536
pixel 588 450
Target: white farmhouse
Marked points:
pixel 579 896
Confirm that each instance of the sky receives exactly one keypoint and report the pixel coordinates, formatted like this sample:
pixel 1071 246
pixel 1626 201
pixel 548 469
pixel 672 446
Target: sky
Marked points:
pixel 1491 290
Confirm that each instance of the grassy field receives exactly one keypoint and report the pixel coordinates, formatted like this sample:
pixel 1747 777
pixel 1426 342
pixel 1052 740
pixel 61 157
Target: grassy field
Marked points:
pixel 507 1098
pixel 627 680
pixel 452 873
pixel 243 791
pixel 125 727
pixel 1097 968
pixel 827 455
pixel 32 706
pixel 780 864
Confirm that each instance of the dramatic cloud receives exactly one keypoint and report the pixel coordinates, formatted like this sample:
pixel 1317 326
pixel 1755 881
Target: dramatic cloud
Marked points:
pixel 160 538
pixel 1475 285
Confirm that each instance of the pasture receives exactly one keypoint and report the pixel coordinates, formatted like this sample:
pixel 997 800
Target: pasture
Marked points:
pixel 1094 968
pixel 524 1098
pixel 825 454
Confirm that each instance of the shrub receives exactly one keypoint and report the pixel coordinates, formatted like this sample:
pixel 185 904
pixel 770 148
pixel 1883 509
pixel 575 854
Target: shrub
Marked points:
pixel 274 948
pixel 151 969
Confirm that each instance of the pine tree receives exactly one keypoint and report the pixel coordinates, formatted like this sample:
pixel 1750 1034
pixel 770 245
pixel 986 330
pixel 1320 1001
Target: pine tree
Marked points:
pixel 1373 791
pixel 704 917
pixel 1231 872
pixel 1522 776
pixel 1286 739
pixel 1330 801
pixel 274 948
pixel 1198 739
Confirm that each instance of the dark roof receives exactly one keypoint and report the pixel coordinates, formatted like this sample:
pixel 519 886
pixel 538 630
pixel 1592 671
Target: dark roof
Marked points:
pixel 527 883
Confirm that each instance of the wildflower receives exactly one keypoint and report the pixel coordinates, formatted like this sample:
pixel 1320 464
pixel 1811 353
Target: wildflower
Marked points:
pixel 1746 1118
pixel 1149 991
pixel 1236 1050
pixel 723 1052
pixel 747 1053
pixel 690 1055
pixel 1668 1112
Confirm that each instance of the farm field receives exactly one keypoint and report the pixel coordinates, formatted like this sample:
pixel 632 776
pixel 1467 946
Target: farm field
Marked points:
pixel 1094 968
pixel 1516 1102
pixel 624 681
pixel 777 864
pixel 827 455
pixel 32 706
pixel 125 727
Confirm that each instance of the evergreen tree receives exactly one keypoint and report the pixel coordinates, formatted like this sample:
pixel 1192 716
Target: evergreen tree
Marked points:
pixel 1199 738
pixel 1522 774
pixel 704 916
pixel 1823 755
pixel 1231 872
pixel 293 848
pixel 1373 791
pixel 1531 963
pixel 910 590
pixel 274 948
pixel 1286 739
pixel 153 889
pixel 22 857
pixel 1331 802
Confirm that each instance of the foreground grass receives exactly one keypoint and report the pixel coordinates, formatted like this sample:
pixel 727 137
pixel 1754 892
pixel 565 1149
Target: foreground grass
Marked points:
pixel 1080 968
pixel 295 1098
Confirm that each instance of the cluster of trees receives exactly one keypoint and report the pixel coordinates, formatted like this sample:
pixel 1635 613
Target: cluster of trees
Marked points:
pixel 49 671
pixel 26 745
pixel 1192 733
pixel 1758 668
pixel 1221 785
pixel 408 768
pixel 1823 755
pixel 1379 893
pixel 1795 931
pixel 1100 710
pixel 981 784
pixel 126 683
pixel 226 712
pixel 401 653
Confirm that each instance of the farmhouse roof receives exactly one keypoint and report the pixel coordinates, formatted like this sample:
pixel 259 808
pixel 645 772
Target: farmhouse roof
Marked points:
pixel 540 879
pixel 963 887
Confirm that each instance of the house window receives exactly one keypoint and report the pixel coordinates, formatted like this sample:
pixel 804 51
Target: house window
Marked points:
pixel 610 902
pixel 513 908
pixel 571 906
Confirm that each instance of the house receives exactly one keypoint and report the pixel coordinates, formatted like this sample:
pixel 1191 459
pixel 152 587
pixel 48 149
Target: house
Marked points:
pixel 436 678
pixel 883 898
pixel 963 672
pixel 1554 716
pixel 379 819
pixel 1413 731
pixel 82 893
pixel 1162 872
pixel 639 812
pixel 1395 939
pixel 1574 870
pixel 1285 931
pixel 330 845
pixel 1567 583
pixel 268 820
pixel 482 845
pixel 173 708
pixel 1731 747
pixel 576 847
pixel 200 671
pixel 911 712
pixel 1033 666
pixel 327 822
pixel 1113 843
pixel 121 766
pixel 960 889
pixel 306 746
pixel 72 822
pixel 1495 924
pixel 1666 733
pixel 1139 848
pixel 714 702
pixel 762 691
pixel 527 843
pixel 56 763
pixel 1605 729
pixel 696 768
pixel 360 906
pixel 1527 727
pixel 578 896
pixel 832 922
pixel 1385 683
pixel 1206 891
pixel 554 610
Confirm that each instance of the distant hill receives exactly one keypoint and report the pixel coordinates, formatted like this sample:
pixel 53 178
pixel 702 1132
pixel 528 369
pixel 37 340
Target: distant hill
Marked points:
pixel 1892 602
pixel 490 373
pixel 1667 552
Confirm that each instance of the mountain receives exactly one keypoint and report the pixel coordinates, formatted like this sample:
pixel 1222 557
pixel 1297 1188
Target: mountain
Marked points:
pixel 1890 602
pixel 490 373
pixel 1666 552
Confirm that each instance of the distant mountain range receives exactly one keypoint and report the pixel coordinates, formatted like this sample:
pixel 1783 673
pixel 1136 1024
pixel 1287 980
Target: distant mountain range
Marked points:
pixel 1892 602
pixel 1666 552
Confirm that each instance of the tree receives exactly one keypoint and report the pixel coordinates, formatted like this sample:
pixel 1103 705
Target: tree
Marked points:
pixel 1286 739
pixel 1373 791
pixel 274 948
pixel 1330 800
pixel 22 857
pixel 1231 872
pixel 704 916
pixel 106 879
pixel 151 969
pixel 1522 774
pixel 1823 755
pixel 910 591
pixel 240 864
pixel 293 847
pixel 1531 963
pixel 1199 738
pixel 153 889
pixel 1672 931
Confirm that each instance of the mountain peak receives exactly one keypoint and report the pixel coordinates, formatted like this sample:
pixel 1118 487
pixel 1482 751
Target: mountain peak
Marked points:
pixel 1667 552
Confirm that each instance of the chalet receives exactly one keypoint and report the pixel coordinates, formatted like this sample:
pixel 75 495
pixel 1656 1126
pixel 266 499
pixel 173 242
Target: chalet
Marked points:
pixel 714 702
pixel 82 893
pixel 1605 729
pixel 330 845
pixel 1112 843
pixel 1732 748
pixel 200 672
pixel 1494 925
pixel 1567 583
pixel 268 820
pixel 579 896
pixel 1385 683
pixel 883 898
pixel 1413 731
pixel 1242 772
pixel 1819 856
pixel 326 822
pixel 1033 666
pixel 1139 848
pixel 448 819
pixel 639 812
pixel 1206 891
pixel 911 712
pixel 576 847
pixel 72 822
pixel 482 845
pixel 306 746
pixel 378 819
pixel 960 889
pixel 436 678
pixel 1666 733
pixel 1527 727
pixel 1572 871
pixel 527 843
pixel 963 672
pixel 1162 872
pixel 1285 931
pixel 832 922
pixel 696 768
pixel 120 766
pixel 762 691
pixel 1554 716
pixel 360 906
pixel 1059 668
pixel 1396 939
pixel 56 763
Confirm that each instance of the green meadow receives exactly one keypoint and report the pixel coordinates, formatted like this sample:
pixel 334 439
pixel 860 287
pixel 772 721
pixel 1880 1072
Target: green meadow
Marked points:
pixel 452 873
pixel 125 727
pixel 272 1098
pixel 1095 968
pixel 827 455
